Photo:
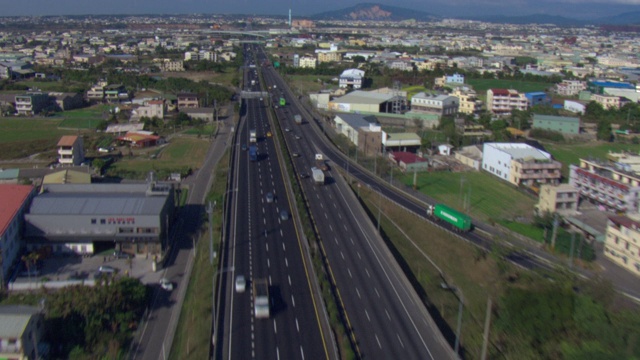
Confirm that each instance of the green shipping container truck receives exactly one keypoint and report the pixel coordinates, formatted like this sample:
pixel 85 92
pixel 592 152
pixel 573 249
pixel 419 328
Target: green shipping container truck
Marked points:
pixel 461 221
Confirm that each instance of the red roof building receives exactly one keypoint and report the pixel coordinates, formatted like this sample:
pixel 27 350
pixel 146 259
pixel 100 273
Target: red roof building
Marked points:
pixel 14 200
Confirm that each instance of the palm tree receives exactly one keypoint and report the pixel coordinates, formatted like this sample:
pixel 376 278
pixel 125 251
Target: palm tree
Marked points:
pixel 30 260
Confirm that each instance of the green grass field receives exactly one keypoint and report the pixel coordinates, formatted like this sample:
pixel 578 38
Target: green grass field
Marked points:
pixel 86 118
pixel 569 154
pixel 204 131
pixel 412 90
pixel 310 83
pixel 482 85
pixel 490 197
pixel 181 154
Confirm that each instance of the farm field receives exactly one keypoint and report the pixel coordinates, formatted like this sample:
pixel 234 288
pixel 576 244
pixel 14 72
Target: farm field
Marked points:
pixel 491 199
pixel 22 137
pixel 86 118
pixel 569 154
pixel 181 154
pixel 482 85
pixel 310 83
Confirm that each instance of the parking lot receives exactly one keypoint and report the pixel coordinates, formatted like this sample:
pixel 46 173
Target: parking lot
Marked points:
pixel 60 270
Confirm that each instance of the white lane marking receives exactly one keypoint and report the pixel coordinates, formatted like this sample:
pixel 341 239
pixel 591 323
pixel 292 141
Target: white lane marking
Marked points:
pixel 275 328
pixel 367 313
pixel 301 352
pixel 377 293
pixel 281 234
pixel 386 312
pixel 297 326
pixel 277 353
pixel 339 216
pixel 322 206
pixel 267 246
pixel 335 206
pixel 286 262
pixel 399 339
pixel 367 271
pixel 345 227
pixel 293 300
pixel 326 217
pixel 335 239
pixel 378 340
pixel 352 243
pixel 289 279
pixel 358 292
pixel 284 248
pixel 349 270
pixel 270 284
pixel 359 257
pixel 268 263
pixel 264 220
pixel 341 254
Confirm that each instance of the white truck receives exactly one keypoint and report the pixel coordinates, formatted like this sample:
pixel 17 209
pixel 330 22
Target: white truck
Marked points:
pixel 253 136
pixel 261 299
pixel 318 176
pixel 253 82
pixel 298 119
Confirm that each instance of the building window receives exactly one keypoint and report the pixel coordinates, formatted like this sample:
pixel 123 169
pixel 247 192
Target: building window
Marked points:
pixel 103 221
pixel 93 221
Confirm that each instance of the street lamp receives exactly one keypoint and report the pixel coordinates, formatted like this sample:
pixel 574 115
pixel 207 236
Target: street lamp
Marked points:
pixel 458 291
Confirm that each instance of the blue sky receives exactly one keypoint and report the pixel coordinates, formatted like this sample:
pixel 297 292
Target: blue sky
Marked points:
pixel 569 8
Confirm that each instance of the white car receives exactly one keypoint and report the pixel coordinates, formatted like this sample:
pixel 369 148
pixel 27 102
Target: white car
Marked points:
pixel 241 283
pixel 166 284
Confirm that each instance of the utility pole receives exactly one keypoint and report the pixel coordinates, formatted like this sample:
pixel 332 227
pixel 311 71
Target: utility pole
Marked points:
pixel 555 231
pixel 485 334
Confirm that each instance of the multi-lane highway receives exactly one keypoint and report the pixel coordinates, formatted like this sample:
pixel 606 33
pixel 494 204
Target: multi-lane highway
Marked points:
pixel 264 243
pixel 385 315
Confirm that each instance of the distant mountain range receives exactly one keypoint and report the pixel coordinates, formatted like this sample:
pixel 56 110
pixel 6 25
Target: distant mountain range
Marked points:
pixel 381 12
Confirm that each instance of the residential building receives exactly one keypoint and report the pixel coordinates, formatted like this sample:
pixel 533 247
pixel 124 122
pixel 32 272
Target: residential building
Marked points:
pixel 70 150
pixel 150 109
pixel 609 101
pixel 455 79
pixel 188 100
pixel 502 101
pixel 67 101
pixel 135 218
pixel 622 243
pixel 351 78
pixel 97 91
pixel 606 186
pixel 141 139
pixel 329 56
pixel 400 64
pixel 172 66
pixel 562 198
pixel 435 104
pixel 520 164
pixel 22 332
pixel 31 104
pixel 15 202
pixel 538 98
pixel 115 92
pixel 570 87
pixel 308 62
pixel 563 124
pixel 468 100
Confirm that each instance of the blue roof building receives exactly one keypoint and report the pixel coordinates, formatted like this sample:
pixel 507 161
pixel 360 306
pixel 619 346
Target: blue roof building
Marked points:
pixel 538 98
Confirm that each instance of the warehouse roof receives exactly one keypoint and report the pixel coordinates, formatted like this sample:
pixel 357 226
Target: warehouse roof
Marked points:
pixel 364 97
pixel 520 151
pixel 14 319
pixel 357 120
pixel 97 199
pixel 568 119
pixel 67 177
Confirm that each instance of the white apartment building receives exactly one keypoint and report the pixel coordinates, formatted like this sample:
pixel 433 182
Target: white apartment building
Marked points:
pixel 503 101
pixel 570 87
pixel 608 101
pixel 70 150
pixel 622 244
pixel 351 78
pixel 520 164
pixel 435 104
pixel 172 66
